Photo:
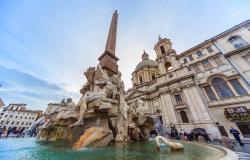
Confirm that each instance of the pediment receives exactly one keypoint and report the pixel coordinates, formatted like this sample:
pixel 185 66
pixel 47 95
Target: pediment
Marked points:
pixel 135 94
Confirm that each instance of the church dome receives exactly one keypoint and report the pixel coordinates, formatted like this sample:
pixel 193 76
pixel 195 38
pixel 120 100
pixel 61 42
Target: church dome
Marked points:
pixel 146 62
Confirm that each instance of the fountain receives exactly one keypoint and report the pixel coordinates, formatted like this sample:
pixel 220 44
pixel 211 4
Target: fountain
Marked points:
pixel 32 130
pixel 102 116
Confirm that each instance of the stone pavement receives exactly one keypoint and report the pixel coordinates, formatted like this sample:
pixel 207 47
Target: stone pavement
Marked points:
pixel 242 151
pixel 243 156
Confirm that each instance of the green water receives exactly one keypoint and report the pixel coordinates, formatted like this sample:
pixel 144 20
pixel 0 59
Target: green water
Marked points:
pixel 29 149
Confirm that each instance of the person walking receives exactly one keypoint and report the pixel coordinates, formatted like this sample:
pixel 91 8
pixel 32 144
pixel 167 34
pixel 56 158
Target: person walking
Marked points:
pixel 236 135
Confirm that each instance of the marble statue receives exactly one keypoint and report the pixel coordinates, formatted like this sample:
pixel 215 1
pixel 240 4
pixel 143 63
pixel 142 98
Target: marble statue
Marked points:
pixel 140 108
pixel 173 145
pixel 94 91
pixel 101 114
pixel 122 116
pixel 140 123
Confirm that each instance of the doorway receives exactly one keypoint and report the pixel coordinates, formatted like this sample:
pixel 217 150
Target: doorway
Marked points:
pixel 244 127
pixel 223 131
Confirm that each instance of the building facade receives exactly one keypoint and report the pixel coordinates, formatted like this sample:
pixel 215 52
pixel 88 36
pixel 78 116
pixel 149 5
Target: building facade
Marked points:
pixel 206 86
pixel 18 116
pixel 1 103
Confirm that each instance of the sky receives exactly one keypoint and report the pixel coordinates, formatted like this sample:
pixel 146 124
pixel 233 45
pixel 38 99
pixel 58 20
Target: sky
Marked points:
pixel 46 45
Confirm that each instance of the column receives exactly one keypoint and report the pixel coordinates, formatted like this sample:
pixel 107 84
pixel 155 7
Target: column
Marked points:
pixel 204 91
pixel 190 105
pixel 232 88
pixel 201 106
pixel 215 93
pixel 164 112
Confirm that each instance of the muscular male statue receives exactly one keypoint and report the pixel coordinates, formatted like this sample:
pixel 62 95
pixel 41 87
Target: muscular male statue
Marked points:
pixel 98 87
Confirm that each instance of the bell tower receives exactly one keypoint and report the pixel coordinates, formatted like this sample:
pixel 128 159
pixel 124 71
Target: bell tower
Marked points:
pixel 108 60
pixel 166 56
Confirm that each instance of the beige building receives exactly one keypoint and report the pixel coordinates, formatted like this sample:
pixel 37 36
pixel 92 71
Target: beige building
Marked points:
pixel 17 115
pixel 206 86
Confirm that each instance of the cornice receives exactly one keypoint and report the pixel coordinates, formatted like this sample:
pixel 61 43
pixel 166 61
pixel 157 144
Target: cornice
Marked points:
pixel 211 40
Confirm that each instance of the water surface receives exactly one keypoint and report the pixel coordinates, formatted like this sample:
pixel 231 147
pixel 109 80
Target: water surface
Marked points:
pixel 29 149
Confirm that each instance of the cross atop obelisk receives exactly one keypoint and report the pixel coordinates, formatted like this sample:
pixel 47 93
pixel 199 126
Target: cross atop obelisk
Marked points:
pixel 108 60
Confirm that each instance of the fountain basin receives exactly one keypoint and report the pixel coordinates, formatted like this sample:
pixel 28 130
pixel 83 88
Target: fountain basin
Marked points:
pixel 30 149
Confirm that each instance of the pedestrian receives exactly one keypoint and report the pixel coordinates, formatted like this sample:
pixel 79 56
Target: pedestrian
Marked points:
pixel 186 136
pixel 1 131
pixel 236 135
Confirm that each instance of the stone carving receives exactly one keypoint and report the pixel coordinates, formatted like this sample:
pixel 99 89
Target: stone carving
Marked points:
pixel 94 91
pixel 63 103
pixel 140 108
pixel 122 117
pixel 100 116
pixel 173 145
pixel 140 122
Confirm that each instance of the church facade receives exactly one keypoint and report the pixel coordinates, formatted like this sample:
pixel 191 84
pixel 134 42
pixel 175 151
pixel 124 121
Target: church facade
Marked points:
pixel 206 86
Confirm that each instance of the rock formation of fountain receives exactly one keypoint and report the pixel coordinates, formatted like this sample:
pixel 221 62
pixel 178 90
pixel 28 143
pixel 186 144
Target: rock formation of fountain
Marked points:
pixel 101 115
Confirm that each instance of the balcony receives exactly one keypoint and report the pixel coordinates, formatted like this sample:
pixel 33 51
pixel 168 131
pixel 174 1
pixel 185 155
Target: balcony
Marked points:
pixel 180 105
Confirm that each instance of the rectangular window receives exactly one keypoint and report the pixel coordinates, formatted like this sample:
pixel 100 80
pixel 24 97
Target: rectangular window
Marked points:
pixel 199 54
pixel 209 49
pixel 153 76
pixel 178 99
pixel 162 49
pixel 238 87
pixel 190 57
pixel 197 68
pixel 210 93
pixel 239 45
pixel 140 79
pixel 206 64
pixel 185 60
pixel 218 61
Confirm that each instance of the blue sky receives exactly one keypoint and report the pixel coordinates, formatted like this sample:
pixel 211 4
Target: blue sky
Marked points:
pixel 46 45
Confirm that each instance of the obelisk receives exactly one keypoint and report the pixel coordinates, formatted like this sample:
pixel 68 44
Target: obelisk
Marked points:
pixel 108 60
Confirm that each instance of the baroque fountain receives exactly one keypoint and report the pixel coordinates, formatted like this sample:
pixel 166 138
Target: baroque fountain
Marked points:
pixel 102 126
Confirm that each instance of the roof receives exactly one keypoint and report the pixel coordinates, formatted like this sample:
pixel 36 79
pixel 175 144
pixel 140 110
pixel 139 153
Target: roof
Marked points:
pixel 146 62
pixel 247 22
pixel 26 111
pixel 18 104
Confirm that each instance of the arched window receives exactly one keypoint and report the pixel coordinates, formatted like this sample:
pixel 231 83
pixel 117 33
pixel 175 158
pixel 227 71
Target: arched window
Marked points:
pixel 162 49
pixel 237 41
pixel 184 117
pixel 221 87
pixel 168 66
